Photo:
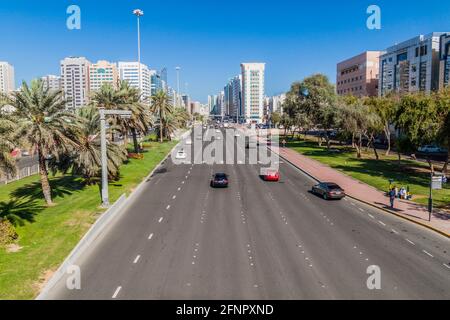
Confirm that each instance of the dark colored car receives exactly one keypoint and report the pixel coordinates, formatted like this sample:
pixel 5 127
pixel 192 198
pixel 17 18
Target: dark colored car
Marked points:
pixel 328 190
pixel 219 180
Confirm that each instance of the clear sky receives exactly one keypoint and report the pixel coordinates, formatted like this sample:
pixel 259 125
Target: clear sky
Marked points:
pixel 210 38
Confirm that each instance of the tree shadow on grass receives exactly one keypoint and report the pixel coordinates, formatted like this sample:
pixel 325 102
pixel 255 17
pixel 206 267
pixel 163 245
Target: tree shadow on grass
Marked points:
pixel 19 211
pixel 61 187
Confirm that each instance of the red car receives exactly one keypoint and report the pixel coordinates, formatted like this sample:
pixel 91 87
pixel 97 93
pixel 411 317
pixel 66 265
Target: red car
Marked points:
pixel 272 175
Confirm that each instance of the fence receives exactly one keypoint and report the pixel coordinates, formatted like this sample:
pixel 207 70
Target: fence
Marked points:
pixel 20 174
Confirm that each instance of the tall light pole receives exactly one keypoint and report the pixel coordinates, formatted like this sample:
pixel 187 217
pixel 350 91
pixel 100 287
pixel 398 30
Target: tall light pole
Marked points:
pixel 139 13
pixel 103 113
pixel 178 84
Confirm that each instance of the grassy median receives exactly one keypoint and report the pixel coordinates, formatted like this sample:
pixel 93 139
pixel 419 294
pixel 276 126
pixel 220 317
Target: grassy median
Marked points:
pixel 48 234
pixel 374 172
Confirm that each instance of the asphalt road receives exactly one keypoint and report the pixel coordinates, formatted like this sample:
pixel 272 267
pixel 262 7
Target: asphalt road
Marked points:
pixel 181 239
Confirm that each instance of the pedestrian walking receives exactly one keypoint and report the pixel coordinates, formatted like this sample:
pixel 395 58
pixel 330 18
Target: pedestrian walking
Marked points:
pixel 284 143
pixel 392 195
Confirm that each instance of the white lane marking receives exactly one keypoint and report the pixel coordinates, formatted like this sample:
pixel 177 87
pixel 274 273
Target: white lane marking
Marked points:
pixel 160 220
pixel 382 223
pixel 360 209
pixel 428 253
pixel 168 207
pixel 150 236
pixel 182 182
pixel 371 216
pixel 353 204
pixel 179 189
pixel 137 259
pixel 116 292
pixel 186 177
pixel 410 242
pixel 394 231
pixel 447 266
pixel 174 197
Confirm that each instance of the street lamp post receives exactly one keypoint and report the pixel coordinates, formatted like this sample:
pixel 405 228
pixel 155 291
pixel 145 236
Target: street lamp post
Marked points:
pixel 139 13
pixel 178 85
pixel 103 113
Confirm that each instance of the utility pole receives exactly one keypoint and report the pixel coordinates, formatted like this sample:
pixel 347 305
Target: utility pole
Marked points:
pixel 178 85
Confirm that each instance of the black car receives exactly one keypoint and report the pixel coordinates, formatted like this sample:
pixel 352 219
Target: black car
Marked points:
pixel 219 180
pixel 328 190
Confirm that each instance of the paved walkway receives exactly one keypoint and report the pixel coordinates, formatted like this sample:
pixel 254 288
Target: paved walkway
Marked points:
pixel 440 221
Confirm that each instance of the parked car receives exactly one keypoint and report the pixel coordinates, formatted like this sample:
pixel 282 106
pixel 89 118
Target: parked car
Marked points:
pixel 431 149
pixel 188 142
pixel 219 180
pixel 328 190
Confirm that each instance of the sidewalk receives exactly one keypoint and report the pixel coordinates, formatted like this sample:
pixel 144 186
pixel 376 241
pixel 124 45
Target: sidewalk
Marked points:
pixel 414 212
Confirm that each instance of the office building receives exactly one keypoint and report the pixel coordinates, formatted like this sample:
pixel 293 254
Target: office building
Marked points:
pixel 253 91
pixel 52 82
pixel 129 71
pixel 411 66
pixel 75 81
pixel 103 72
pixel 359 75
pixel 444 66
pixel 7 80
pixel 275 103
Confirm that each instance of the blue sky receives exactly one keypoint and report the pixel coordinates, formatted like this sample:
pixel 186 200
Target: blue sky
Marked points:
pixel 209 39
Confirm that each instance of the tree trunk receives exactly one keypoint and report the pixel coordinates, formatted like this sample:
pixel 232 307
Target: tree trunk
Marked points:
pixel 359 147
pixel 135 142
pixel 45 184
pixel 375 151
pixel 388 138
pixel 161 138
pixel 327 138
pixel 353 141
pixel 445 167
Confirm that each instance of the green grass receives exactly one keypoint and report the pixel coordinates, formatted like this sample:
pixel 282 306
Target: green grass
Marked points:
pixel 377 173
pixel 48 234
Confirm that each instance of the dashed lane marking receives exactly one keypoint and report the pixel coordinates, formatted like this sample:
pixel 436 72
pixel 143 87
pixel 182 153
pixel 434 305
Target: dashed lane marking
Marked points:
pixel 410 242
pixel 116 292
pixel 427 253
pixel 160 220
pixel 382 223
pixel 150 236
pixel 168 207
pixel 137 259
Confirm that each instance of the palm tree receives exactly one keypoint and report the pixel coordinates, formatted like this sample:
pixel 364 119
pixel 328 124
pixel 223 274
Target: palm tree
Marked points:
pixel 141 120
pixel 86 161
pixel 7 162
pixel 124 98
pixel 162 107
pixel 44 124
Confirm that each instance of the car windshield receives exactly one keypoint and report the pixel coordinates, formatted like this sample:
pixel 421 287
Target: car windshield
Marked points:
pixel 333 187
pixel 221 176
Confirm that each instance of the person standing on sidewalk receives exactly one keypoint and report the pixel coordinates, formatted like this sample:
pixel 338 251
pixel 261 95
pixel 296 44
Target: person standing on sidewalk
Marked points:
pixel 392 195
pixel 284 143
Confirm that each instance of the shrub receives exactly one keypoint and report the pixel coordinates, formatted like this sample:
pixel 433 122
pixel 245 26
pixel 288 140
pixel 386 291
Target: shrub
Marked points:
pixel 138 156
pixel 7 232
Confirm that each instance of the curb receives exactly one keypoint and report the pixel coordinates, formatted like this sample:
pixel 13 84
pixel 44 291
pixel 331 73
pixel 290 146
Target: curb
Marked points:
pixel 97 228
pixel 443 233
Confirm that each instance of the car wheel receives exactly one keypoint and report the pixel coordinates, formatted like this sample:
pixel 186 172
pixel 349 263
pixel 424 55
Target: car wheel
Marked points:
pixel 325 197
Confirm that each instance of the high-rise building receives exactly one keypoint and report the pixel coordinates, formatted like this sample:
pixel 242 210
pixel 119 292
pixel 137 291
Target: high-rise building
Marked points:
pixel 103 72
pixel 7 81
pixel 75 81
pixel 186 102
pixel 359 75
pixel 212 104
pixel 275 103
pixel 444 67
pixel 236 97
pixel 253 91
pixel 129 71
pixel 156 82
pixel 163 76
pixel 52 82
pixel 411 66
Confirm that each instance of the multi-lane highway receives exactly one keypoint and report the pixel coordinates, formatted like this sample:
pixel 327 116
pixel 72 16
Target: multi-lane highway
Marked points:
pixel 181 239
